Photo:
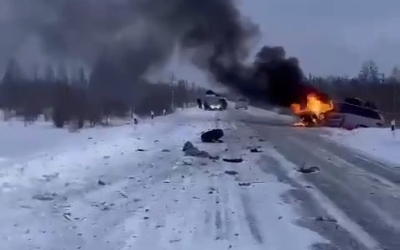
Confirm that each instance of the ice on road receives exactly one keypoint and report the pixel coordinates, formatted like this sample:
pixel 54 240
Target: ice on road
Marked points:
pixel 131 187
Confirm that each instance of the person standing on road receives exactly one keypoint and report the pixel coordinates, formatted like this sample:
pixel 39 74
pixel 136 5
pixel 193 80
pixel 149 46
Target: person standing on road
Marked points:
pixel 199 103
pixel 164 112
pixel 152 114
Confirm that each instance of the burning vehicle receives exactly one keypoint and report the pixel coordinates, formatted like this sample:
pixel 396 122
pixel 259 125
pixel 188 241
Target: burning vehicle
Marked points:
pixel 349 114
pixel 313 111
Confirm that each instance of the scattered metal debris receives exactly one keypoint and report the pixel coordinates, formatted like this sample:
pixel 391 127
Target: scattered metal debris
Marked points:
pixel 122 194
pixel 308 170
pixel 255 150
pixel 233 160
pixel 50 177
pixel 231 172
pixel 45 196
pixel 327 219
pixel 66 216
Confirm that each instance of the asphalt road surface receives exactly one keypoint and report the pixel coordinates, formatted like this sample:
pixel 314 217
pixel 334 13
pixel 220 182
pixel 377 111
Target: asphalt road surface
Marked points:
pixel 356 198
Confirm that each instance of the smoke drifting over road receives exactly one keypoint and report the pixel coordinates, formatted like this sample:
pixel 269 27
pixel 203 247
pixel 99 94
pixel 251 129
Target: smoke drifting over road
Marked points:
pixel 137 35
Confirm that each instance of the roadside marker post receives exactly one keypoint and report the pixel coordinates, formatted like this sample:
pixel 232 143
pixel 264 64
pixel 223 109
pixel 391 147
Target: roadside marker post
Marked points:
pixel 393 128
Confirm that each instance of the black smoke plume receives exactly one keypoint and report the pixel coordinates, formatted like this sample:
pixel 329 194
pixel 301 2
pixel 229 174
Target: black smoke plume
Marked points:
pixel 124 39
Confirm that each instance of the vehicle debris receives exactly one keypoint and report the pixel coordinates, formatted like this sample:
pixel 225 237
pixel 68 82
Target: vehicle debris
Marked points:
pixel 191 150
pixel 233 160
pixel 244 184
pixel 45 196
pixel 255 150
pixel 308 170
pixel 327 219
pixel 231 172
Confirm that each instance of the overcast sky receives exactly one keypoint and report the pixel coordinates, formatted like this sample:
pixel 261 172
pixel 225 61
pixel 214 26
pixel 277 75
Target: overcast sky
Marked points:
pixel 331 37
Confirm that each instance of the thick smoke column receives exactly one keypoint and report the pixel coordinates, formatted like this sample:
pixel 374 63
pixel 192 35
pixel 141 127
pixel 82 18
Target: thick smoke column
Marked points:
pixel 130 37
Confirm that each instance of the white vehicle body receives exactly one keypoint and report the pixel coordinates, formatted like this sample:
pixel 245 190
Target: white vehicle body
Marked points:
pixel 351 116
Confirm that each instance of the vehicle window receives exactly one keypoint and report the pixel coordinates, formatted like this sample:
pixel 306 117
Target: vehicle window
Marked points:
pixel 357 110
pixel 354 101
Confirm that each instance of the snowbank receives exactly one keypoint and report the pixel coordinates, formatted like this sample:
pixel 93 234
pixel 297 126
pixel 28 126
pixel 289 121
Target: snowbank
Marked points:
pixel 376 142
pixel 39 138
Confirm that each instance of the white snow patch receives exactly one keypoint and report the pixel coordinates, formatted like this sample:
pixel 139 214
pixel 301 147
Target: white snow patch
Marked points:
pixel 94 190
pixel 376 142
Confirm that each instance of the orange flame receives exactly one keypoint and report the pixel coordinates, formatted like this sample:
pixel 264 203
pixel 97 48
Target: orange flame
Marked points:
pixel 315 109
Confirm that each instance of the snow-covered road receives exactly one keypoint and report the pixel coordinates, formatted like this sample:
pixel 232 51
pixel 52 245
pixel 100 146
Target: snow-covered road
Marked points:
pixel 132 188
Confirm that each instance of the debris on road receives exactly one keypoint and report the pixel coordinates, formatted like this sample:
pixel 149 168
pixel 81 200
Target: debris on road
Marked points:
pixel 50 177
pixel 214 157
pixel 327 219
pixel 122 194
pixel 141 150
pixel 45 196
pixel 255 150
pixel 233 160
pixel 191 150
pixel 212 136
pixel 106 157
pixel 308 170
pixel 231 172
pixel 165 150
pixel 67 215
pixel 244 184
pixel 101 183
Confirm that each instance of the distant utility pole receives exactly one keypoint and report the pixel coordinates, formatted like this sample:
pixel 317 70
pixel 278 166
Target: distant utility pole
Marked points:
pixel 173 93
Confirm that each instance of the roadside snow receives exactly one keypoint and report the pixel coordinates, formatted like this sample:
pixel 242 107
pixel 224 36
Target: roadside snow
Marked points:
pixel 130 187
pixel 376 142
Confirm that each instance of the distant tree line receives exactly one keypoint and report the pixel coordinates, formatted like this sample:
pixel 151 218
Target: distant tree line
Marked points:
pixel 90 97
pixel 370 85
